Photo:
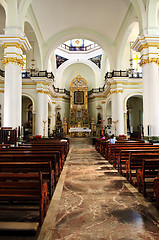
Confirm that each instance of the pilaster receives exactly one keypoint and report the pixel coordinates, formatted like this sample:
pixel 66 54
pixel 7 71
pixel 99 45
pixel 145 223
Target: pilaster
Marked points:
pixel 148 46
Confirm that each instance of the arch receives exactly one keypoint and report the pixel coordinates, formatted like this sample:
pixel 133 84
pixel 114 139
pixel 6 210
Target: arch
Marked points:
pixel 4 5
pixel 90 64
pixel 141 13
pixel 72 33
pixel 135 94
pixel 37 40
pixel 72 70
pixel 31 98
pixel 23 8
pixel 123 44
pixel 152 10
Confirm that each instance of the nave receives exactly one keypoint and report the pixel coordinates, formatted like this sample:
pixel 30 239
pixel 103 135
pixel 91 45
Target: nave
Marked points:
pixel 93 201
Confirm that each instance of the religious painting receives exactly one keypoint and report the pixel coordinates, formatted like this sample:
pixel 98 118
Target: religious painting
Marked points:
pixel 96 60
pixel 60 60
pixel 78 97
pixel 77 45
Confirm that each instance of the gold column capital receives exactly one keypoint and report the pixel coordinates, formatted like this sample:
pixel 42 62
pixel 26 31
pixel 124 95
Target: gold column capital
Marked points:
pixel 15 60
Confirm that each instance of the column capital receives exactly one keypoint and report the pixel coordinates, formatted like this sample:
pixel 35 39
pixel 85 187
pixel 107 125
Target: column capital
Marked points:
pixel 15 41
pixel 14 46
pixel 148 46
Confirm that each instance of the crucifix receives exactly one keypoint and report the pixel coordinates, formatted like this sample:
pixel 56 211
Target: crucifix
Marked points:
pixel 115 122
pixel 44 127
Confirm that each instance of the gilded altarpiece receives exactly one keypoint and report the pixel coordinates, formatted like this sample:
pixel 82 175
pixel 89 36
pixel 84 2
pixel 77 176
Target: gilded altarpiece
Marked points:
pixel 79 117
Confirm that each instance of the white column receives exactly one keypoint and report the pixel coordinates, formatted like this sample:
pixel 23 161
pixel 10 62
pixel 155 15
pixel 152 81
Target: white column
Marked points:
pixel 41 114
pixel 53 116
pixel 120 113
pixel 148 46
pixel 117 113
pixel 45 116
pixel 12 95
pixel 151 98
pixel 13 61
pixel 114 111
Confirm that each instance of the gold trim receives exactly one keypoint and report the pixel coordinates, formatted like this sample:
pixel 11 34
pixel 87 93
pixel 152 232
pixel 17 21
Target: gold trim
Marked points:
pixel 149 60
pixel 13 44
pixel 39 91
pixel 15 60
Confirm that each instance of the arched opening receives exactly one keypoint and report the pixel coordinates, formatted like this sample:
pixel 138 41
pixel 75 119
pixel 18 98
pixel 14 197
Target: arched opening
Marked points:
pixel 108 127
pixel 33 57
pixel 27 117
pixel 134 107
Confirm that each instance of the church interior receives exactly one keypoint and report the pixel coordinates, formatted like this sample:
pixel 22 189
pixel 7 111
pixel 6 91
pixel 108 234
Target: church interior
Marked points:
pixel 72 74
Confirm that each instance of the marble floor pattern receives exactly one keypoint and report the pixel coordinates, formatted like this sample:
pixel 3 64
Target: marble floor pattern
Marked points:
pixel 94 202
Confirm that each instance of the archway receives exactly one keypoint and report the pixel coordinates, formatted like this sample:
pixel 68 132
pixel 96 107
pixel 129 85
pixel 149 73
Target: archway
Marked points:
pixel 108 125
pixel 134 106
pixel 27 117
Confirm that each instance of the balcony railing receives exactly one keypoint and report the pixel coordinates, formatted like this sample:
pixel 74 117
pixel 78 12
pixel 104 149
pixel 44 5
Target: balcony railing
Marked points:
pixel 123 74
pixel 2 73
pixel 60 90
pixel 96 90
pixel 76 48
pixel 37 74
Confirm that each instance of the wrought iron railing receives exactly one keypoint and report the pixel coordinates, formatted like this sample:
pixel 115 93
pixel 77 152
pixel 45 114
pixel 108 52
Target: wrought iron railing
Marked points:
pixel 37 74
pixel 123 74
pixel 2 73
pixel 96 90
pixel 60 90
pixel 76 48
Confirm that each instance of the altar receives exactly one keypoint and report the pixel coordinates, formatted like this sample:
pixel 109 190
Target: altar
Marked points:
pixel 79 132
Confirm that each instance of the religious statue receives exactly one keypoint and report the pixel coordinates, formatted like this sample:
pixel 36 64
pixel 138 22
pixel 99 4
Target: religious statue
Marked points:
pixel 99 119
pixel 58 119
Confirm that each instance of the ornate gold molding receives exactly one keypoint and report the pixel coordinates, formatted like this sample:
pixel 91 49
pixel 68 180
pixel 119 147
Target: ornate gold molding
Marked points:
pixel 13 44
pixel 116 91
pixel 149 60
pixel 39 91
pixel 15 60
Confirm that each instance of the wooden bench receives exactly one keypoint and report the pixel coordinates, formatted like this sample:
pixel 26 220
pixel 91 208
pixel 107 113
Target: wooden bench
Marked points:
pixel 20 189
pixel 115 150
pixel 46 147
pixel 135 159
pixel 123 156
pixel 146 176
pixel 42 150
pixel 156 190
pixel 31 167
pixel 19 156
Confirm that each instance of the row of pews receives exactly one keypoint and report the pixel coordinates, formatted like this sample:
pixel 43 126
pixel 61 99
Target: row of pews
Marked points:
pixel 29 174
pixel 137 161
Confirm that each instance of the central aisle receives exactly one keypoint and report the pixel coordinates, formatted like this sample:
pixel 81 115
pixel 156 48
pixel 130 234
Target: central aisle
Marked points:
pixel 93 201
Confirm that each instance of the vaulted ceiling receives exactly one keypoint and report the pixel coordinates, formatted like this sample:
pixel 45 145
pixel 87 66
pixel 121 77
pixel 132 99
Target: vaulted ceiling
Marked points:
pixel 104 17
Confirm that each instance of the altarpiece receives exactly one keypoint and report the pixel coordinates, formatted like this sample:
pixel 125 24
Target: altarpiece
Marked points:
pixel 79 117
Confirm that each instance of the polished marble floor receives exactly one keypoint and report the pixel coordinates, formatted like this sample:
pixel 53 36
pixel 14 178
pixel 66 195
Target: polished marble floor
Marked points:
pixel 92 201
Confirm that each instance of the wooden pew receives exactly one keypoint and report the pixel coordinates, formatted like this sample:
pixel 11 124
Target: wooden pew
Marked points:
pixel 48 147
pixel 53 142
pixel 32 157
pixel 36 150
pixel 31 167
pixel 20 189
pixel 135 159
pixel 156 190
pixel 146 176
pixel 115 150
